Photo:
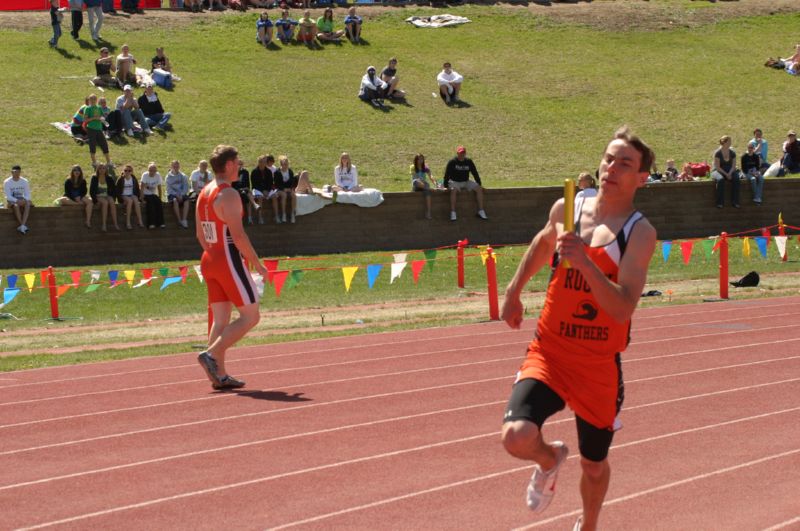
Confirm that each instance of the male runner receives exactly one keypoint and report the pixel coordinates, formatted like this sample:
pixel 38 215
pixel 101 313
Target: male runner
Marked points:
pixel 219 230
pixel 585 324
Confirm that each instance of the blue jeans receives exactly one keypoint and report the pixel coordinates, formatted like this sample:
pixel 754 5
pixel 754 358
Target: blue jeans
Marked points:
pixel 791 165
pixel 158 120
pixel 722 182
pixel 129 116
pixel 757 184
pixel 56 34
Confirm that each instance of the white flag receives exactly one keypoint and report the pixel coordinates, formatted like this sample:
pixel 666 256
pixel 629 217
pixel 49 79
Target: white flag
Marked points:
pixel 95 275
pixel 199 274
pixel 142 282
pixel 780 241
pixel 399 257
pixel 397 270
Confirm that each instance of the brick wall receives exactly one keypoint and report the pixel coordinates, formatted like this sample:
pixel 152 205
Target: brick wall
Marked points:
pixel 677 210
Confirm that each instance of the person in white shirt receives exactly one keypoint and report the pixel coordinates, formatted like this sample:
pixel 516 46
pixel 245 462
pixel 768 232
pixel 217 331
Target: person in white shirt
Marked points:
pixel 18 197
pixel 151 185
pixel 346 175
pixel 126 71
pixel 373 88
pixel 199 178
pixel 178 193
pixel 449 84
pixel 586 186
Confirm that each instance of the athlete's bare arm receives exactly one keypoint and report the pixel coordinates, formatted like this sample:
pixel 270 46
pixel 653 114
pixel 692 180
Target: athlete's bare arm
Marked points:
pixel 228 207
pixel 538 255
pixel 199 229
pixel 618 299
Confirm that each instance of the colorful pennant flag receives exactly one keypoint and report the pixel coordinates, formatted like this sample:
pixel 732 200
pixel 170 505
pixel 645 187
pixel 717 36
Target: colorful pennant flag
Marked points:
pixel 278 279
pixel 762 245
pixel 9 294
pixel 91 287
pixel 272 266
pixel 30 280
pixel 168 281
pixel 76 278
pixel 11 280
pixel 430 256
pixel 62 289
pixel 746 247
pixel 112 276
pixel 129 275
pixel 184 271
pixel 44 273
pixel 666 247
pixel 397 270
pixel 373 270
pixel 348 273
pixel 780 243
pixel 399 257
pixel 708 247
pixel 416 267
pixel 294 278
pixel 686 251
pixel 198 272
pixel 95 275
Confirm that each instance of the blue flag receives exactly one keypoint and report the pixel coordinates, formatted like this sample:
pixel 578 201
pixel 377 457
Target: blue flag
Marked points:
pixel 762 245
pixel 112 276
pixel 372 273
pixel 9 294
pixel 12 281
pixel 169 281
pixel 666 247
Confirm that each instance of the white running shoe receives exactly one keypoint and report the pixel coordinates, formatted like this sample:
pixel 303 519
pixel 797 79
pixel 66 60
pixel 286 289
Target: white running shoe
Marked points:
pixel 542 487
pixel 482 214
pixel 578 524
pixel 453 216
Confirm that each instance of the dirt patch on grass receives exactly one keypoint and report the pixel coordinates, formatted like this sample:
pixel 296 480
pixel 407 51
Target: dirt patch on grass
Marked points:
pixel 617 15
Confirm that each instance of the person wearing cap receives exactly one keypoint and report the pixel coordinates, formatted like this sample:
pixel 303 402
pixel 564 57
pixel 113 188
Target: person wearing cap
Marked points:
pixel 129 109
pixel 790 162
pixel 153 111
pixel 105 70
pixel 456 179
pixel 373 88
pixel 18 197
pixel 449 84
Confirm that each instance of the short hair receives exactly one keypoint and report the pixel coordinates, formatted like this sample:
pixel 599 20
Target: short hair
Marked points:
pixel 756 130
pixel 648 155
pixel 269 158
pixel 16 167
pixel 220 157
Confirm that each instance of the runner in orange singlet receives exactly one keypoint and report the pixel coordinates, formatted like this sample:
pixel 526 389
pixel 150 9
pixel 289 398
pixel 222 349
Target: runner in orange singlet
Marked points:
pixel 220 232
pixel 585 323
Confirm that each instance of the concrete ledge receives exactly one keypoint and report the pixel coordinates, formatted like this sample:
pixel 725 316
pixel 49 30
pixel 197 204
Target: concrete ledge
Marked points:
pixel 677 210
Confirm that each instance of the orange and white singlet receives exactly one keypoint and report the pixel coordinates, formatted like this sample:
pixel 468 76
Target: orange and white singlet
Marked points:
pixel 223 268
pixel 575 348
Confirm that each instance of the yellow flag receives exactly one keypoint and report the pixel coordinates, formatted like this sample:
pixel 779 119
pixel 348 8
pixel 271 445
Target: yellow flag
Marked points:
pixel 780 218
pixel 484 254
pixel 129 274
pixel 348 273
pixel 30 278
pixel 746 246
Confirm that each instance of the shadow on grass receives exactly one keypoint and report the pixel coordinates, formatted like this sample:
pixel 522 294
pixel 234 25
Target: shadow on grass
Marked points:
pixel 272 396
pixel 66 54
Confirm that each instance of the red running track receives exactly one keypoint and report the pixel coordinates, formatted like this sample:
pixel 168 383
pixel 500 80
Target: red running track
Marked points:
pixel 400 431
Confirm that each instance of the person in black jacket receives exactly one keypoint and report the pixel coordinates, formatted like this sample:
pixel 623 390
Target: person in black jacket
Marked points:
pixel 76 194
pixel 261 182
pixel 456 179
pixel 103 191
pixel 153 111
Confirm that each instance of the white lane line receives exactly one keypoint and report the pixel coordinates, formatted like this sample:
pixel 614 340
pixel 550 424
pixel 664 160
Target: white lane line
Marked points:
pixel 291 386
pixel 714 334
pixel 253 414
pixel 395 453
pixel 573 513
pixel 265 441
pixel 248 444
pixel 746 319
pixel 271 371
pixel 357 378
pixel 783 525
pixel 706 351
pixel 671 485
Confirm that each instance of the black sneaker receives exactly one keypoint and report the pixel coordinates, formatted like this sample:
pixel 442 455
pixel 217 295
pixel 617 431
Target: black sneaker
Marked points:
pixel 228 382
pixel 209 365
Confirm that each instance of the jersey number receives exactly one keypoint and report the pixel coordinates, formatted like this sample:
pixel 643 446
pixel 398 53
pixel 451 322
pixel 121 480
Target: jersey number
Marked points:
pixel 209 231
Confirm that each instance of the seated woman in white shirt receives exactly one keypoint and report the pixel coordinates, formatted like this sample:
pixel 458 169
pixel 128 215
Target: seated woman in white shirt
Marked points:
pixel 449 84
pixel 345 175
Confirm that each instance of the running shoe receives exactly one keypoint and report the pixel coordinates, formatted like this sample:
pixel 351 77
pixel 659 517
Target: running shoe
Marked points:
pixel 228 382
pixel 542 487
pixel 578 524
pixel 209 365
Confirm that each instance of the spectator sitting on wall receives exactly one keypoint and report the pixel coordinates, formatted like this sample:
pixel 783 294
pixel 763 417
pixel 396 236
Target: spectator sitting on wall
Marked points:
pixel 126 69
pixel 686 173
pixel 199 178
pixel 105 70
pixel 76 194
pixel 670 172
pixel 725 171
pixel 762 148
pixel 261 181
pixel 242 185
pixel 352 25
pixel 751 169
pixel 151 185
pixel 284 184
pixel 18 197
pixel 152 109
pixel 456 179
pixel 178 193
pixel 103 191
pixel 790 162
pixel 373 88
pixel 420 175
pixel 345 175
pixel 586 186
pixel 128 194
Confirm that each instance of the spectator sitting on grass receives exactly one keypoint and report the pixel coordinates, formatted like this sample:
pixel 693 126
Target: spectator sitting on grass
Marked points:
pixel 178 193
pixel 18 197
pixel 307 30
pixel 285 27
pixel 161 70
pixel 389 76
pixel 152 109
pixel 126 70
pixel 105 70
pixel 76 194
pixel 449 84
pixel 264 30
pixel 325 26
pixel 129 110
pixel 373 88
pixel 76 128
pixel 113 119
pixel 352 25
pixel 103 191
pixel 751 168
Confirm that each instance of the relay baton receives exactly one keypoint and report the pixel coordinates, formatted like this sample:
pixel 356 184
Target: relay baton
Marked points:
pixel 569 209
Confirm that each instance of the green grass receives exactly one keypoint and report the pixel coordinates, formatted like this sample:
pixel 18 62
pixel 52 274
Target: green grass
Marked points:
pixel 544 96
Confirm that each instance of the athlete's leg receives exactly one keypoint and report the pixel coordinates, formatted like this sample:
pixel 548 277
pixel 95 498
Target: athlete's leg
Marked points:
pixel 226 334
pixel 594 485
pixel 531 403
